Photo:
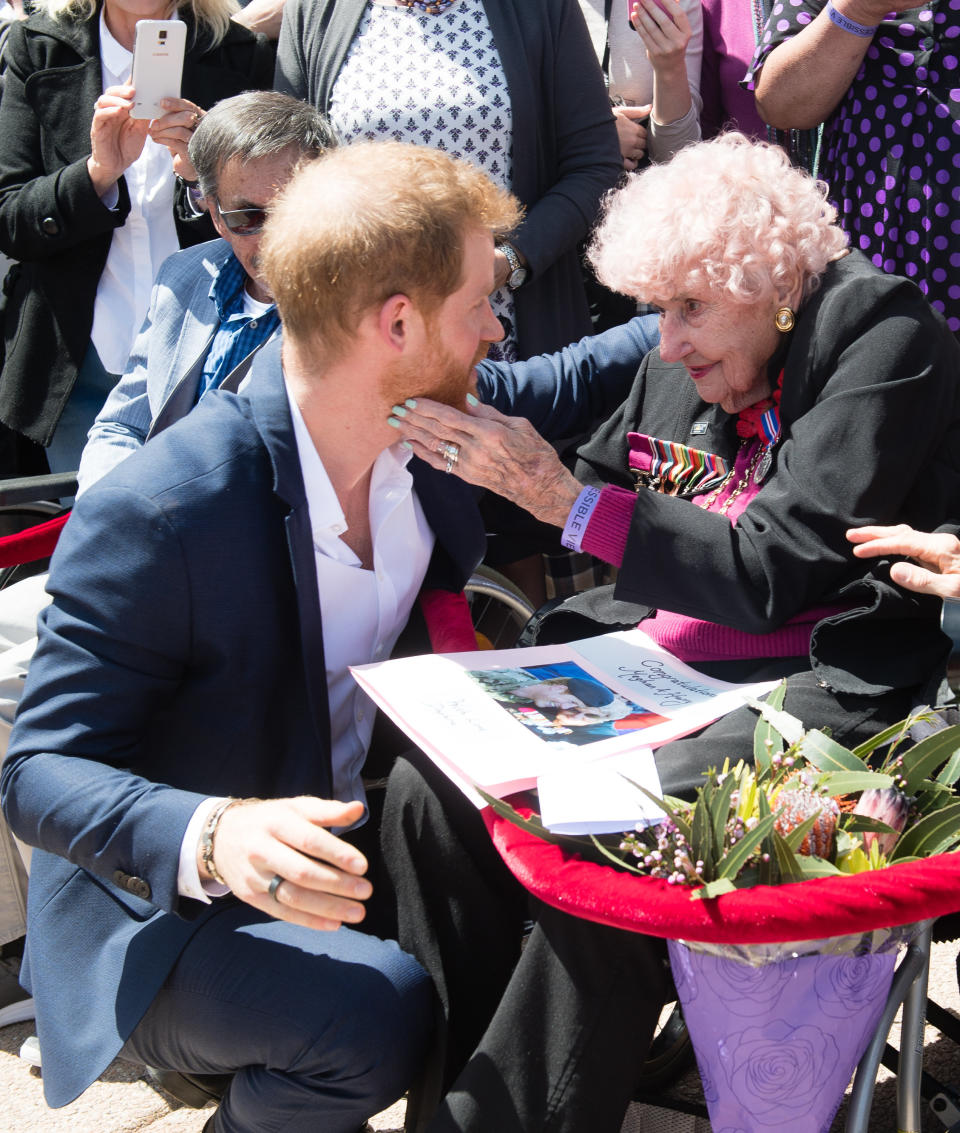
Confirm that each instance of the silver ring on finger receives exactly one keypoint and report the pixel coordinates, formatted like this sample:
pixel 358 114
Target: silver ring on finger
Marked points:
pixel 275 882
pixel 452 452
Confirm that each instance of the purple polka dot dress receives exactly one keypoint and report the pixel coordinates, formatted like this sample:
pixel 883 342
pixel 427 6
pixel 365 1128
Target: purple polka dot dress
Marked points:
pixel 891 150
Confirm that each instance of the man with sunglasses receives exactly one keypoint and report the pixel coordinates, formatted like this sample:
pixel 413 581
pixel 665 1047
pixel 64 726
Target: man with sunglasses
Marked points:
pixel 210 311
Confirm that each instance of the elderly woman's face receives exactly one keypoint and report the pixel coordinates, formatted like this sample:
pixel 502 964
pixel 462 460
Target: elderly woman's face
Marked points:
pixel 725 346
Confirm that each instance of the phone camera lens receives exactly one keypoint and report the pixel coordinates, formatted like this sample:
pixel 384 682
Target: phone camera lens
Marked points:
pixel 163 33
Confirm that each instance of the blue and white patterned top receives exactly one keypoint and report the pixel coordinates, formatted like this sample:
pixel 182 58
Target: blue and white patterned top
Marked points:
pixel 433 81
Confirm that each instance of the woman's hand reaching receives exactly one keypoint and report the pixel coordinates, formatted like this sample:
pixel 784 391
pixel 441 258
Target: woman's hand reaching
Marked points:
pixel 482 446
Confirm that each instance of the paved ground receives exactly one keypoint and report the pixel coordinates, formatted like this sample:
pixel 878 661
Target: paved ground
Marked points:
pixel 123 1102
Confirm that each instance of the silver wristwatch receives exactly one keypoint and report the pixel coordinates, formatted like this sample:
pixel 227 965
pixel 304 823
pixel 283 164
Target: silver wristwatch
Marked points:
pixel 518 273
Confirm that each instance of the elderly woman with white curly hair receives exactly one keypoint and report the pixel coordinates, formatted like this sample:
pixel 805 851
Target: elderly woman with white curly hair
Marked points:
pixel 797 392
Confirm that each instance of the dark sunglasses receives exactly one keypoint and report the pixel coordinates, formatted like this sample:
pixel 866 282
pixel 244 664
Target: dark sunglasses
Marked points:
pixel 243 222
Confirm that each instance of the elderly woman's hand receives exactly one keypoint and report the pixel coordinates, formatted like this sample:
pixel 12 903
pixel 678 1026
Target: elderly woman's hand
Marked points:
pixel 504 454
pixel 116 139
pixel 174 130
pixel 938 552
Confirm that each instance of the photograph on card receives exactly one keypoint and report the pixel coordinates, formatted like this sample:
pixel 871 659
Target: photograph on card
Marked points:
pixel 563 702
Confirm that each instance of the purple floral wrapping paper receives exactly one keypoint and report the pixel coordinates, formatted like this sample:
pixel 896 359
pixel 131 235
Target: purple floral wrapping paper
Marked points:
pixel 777 1044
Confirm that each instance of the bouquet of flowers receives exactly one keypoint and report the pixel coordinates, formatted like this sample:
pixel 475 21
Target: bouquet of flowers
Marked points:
pixel 778 1028
pixel 807 807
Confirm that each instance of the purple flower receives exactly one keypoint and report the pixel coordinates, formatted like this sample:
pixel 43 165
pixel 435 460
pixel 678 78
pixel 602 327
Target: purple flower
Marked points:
pixel 847 985
pixel 776 1071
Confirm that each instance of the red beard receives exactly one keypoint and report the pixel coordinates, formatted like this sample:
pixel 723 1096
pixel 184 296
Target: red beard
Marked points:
pixel 439 378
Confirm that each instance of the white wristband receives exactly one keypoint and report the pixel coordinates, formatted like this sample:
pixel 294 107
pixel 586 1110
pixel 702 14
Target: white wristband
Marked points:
pixel 579 517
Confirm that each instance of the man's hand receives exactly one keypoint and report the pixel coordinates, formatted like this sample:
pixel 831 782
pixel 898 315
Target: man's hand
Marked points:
pixel 939 553
pixel 323 876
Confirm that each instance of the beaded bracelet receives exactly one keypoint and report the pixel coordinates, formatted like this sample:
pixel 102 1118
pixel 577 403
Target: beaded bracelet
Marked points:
pixel 846 24
pixel 207 835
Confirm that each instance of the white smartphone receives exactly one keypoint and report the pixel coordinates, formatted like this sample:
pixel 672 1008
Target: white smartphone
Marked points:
pixel 157 65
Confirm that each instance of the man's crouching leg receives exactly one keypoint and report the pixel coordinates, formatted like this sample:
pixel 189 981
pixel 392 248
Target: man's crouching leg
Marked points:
pixel 322 1029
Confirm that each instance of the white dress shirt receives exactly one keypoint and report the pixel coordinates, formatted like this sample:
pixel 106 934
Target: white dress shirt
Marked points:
pixel 363 613
pixel 145 239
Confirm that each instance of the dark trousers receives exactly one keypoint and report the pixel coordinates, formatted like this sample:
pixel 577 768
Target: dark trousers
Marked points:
pixel 850 720
pixel 320 1029
pixel 550 1038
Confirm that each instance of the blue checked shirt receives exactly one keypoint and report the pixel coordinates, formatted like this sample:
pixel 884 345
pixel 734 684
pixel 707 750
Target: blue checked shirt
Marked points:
pixel 238 333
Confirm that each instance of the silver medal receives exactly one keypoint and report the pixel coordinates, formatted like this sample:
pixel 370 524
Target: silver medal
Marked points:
pixel 763 467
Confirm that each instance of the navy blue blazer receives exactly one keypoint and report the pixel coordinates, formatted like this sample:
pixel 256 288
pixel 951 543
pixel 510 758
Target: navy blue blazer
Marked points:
pixel 182 657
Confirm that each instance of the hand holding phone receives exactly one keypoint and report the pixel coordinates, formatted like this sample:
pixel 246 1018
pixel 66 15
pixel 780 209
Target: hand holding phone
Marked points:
pixel 158 51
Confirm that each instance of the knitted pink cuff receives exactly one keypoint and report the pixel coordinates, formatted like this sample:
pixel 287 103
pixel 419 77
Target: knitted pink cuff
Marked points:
pixel 606 534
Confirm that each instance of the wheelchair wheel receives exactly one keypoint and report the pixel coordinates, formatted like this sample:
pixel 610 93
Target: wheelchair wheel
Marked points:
pixel 671 1053
pixel 499 609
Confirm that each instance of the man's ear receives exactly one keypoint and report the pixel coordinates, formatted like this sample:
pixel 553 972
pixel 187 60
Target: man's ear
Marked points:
pixel 399 322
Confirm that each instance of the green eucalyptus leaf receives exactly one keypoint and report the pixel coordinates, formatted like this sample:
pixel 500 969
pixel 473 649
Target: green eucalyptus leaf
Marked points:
pixel 667 804
pixel 533 825
pixel 934 799
pixel 811 866
pixel 827 755
pixel 785 725
pixel 766 739
pixel 928 755
pixel 786 859
pixel 933 834
pixel 950 772
pixel 861 823
pixel 847 782
pixel 615 859
pixel 720 808
pixel 714 889
pixel 734 860
pixel 881 739
pixel 701 837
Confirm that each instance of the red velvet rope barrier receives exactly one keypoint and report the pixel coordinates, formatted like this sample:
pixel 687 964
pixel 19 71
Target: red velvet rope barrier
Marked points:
pixel 806 910
pixel 34 543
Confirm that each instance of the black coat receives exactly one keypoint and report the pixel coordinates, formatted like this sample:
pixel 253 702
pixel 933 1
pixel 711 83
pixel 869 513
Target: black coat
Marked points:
pixel 871 434
pixel 51 219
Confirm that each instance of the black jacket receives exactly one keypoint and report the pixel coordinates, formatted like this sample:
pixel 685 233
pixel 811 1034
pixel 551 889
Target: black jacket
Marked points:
pixel 51 219
pixel 871 434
